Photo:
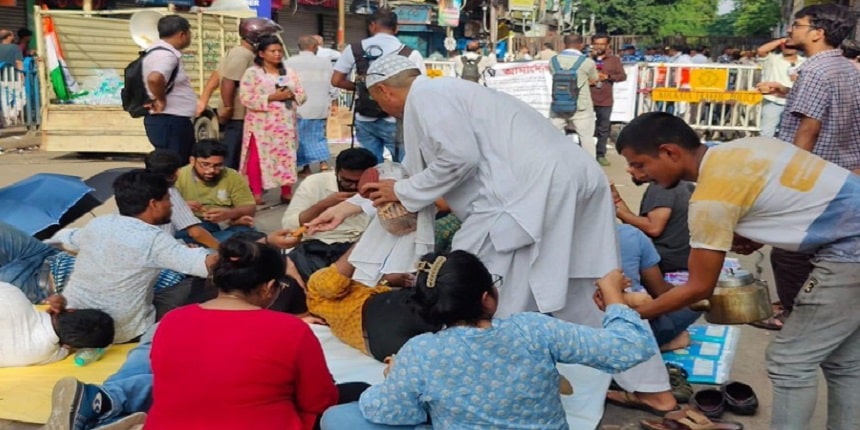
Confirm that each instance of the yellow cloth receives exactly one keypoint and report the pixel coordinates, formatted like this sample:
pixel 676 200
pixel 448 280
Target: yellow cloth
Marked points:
pixel 339 300
pixel 25 392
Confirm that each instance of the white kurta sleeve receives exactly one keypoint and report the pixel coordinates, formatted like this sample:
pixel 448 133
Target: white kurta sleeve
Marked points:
pixel 453 152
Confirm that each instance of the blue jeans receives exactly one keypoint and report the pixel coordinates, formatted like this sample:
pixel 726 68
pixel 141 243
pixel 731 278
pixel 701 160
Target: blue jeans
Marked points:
pixel 348 416
pixel 669 326
pixel 215 229
pixel 21 258
pixel 172 132
pixel 377 135
pixel 823 331
pixel 771 116
pixel 130 388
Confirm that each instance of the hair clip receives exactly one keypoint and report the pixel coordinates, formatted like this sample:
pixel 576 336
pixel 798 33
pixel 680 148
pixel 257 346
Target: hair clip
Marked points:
pixel 432 270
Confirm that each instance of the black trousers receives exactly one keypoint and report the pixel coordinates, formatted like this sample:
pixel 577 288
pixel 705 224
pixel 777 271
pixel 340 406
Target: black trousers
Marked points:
pixel 170 132
pixel 601 128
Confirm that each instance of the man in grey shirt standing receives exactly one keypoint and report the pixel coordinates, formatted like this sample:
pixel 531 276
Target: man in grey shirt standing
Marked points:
pixel 174 101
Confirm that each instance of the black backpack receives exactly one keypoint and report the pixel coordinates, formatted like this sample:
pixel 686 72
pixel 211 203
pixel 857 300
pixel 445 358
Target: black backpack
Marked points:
pixel 470 69
pixel 134 96
pixel 364 104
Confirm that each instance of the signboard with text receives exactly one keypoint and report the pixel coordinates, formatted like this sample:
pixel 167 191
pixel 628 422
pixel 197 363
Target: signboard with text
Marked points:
pixel 261 8
pixel 449 13
pixel 413 14
pixel 531 82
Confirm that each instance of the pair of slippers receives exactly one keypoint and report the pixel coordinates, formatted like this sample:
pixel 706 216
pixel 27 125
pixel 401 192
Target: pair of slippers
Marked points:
pixel 689 419
pixel 705 407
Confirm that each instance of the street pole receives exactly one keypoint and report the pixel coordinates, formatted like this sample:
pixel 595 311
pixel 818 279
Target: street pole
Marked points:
pixel 341 24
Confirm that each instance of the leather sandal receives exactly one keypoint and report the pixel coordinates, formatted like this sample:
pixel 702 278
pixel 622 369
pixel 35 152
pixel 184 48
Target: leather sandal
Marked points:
pixel 689 419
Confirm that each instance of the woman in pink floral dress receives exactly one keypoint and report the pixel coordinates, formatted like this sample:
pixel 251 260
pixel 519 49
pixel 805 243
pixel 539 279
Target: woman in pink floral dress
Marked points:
pixel 270 93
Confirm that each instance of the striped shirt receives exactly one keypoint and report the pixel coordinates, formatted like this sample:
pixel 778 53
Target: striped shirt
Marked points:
pixel 828 90
pixel 182 216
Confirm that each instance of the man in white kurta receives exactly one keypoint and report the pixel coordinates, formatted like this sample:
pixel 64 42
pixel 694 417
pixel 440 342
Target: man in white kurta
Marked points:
pixel 535 208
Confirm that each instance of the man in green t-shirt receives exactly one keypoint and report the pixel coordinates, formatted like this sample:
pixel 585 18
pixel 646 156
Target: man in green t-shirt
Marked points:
pixel 218 195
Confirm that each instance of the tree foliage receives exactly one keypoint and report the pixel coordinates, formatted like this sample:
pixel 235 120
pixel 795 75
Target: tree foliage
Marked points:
pixel 688 18
pixel 756 17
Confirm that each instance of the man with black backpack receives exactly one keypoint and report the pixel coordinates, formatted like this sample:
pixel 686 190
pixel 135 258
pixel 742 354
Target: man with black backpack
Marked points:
pixel 572 74
pixel 471 66
pixel 173 100
pixel 374 129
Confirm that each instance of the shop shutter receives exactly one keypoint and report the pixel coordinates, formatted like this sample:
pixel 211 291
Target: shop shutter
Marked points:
pixel 15 17
pixel 302 23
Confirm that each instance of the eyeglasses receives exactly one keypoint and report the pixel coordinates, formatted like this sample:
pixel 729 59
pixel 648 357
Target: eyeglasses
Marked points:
pixel 210 166
pixel 498 281
pixel 796 25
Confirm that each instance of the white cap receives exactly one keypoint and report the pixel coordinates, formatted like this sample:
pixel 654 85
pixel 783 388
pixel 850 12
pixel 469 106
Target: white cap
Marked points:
pixel 387 67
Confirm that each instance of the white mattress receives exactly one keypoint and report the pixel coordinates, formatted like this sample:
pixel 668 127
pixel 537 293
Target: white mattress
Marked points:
pixel 346 363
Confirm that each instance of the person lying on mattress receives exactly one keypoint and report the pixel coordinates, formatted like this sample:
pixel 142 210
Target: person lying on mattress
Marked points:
pixel 375 320
pixel 481 372
pixel 29 336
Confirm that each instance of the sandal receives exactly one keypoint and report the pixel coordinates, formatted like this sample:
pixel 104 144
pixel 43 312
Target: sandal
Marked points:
pixel 773 323
pixel 689 419
pixel 631 401
pixel 680 387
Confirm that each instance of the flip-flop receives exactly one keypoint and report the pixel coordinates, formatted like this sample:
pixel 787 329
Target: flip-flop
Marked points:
pixel 689 419
pixel 773 323
pixel 630 401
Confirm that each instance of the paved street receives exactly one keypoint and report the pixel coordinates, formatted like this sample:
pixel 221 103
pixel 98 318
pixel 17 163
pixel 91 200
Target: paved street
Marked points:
pixel 748 365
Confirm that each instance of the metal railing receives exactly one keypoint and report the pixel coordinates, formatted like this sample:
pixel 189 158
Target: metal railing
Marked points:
pixel 716 99
pixel 19 95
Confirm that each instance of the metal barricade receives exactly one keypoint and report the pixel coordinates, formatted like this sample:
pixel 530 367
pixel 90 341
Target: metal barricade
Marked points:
pixel 718 100
pixel 437 69
pixel 19 95
pixel 12 96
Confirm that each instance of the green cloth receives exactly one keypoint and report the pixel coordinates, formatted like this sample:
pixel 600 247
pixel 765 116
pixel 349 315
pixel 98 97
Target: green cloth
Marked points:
pixel 230 191
pixel 444 229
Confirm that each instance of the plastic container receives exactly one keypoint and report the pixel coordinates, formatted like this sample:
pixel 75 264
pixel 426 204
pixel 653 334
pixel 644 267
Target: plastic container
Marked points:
pixel 88 355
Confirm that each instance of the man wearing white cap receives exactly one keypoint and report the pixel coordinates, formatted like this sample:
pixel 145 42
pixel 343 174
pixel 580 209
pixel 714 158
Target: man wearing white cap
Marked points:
pixel 536 209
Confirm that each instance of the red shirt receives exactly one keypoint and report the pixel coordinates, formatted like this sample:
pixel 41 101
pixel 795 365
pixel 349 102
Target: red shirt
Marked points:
pixel 228 369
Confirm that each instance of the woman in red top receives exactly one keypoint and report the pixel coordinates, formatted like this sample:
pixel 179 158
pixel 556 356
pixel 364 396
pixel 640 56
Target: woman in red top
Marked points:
pixel 230 363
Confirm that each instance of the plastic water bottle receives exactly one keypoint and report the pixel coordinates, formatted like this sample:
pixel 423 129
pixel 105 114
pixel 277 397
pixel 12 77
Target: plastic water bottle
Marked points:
pixel 88 355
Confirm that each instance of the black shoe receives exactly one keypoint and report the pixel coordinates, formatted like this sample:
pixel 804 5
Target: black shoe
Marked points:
pixel 740 398
pixel 710 401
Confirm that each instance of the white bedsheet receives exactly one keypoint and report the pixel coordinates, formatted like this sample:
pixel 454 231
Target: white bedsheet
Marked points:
pixel 346 363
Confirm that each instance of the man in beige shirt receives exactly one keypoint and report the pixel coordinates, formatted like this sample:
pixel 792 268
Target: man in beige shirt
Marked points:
pixel 317 193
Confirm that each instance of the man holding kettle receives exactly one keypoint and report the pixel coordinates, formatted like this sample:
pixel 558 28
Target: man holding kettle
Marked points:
pixel 776 194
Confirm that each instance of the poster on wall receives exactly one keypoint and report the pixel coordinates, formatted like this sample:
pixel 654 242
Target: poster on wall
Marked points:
pixel 449 13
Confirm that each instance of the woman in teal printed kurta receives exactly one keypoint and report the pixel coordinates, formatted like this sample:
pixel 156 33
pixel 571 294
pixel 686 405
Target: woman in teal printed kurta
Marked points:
pixel 481 373
pixel 270 93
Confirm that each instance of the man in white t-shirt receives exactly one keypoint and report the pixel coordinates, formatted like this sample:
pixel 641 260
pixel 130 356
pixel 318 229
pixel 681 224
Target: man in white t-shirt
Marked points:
pixel 757 191
pixel 780 68
pixel 374 129
pixel 29 336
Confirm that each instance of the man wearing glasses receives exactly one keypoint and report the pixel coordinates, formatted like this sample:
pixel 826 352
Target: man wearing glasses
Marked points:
pixel 218 195
pixel 317 193
pixel 820 116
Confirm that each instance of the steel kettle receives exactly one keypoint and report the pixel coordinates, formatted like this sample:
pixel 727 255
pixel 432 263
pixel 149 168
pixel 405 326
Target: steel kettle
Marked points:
pixel 739 298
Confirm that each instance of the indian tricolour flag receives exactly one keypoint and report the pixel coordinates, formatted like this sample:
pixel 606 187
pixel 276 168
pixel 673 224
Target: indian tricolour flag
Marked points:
pixel 65 86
